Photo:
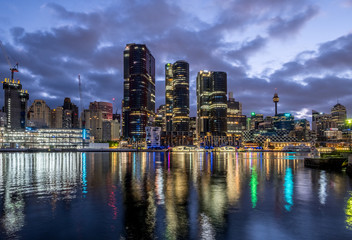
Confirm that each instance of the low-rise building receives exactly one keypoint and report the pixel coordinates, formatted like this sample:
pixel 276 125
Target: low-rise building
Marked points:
pixel 153 136
pixel 39 114
pixel 44 138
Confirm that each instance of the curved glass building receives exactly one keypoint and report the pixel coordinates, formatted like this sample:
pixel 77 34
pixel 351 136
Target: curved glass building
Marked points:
pixel 180 94
pixel 139 90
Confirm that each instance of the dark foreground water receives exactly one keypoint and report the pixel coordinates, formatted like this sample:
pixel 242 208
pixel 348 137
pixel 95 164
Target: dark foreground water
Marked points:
pixel 171 196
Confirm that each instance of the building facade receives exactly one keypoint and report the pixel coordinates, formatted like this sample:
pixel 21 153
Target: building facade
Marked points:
pixel 176 126
pixel 218 104
pixel 320 123
pixel 39 114
pixel 180 96
pixel 69 114
pixel 168 98
pixel 139 90
pixel 15 104
pixel 160 118
pixel 44 138
pixel 211 104
pixel 204 89
pixel 339 115
pixel 153 137
pixel 99 118
pixel 56 117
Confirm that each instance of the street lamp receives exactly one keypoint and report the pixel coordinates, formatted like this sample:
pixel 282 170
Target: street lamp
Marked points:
pixel 349 123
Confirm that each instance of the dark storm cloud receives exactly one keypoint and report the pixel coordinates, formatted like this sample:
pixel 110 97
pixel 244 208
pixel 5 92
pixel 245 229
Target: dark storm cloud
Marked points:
pixel 91 44
pixel 312 81
pixel 284 27
pixel 239 14
pixel 246 49
pixel 331 57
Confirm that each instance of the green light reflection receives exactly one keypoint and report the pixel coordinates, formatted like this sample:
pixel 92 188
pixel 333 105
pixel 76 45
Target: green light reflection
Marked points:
pixel 254 185
pixel 348 212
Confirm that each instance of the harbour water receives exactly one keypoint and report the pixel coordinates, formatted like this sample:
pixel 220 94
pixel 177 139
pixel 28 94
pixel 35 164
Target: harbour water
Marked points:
pixel 171 196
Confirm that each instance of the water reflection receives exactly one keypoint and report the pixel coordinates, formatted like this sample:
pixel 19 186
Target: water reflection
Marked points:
pixel 84 175
pixel 254 184
pixel 322 189
pixel 167 196
pixel 25 174
pixel 288 185
pixel 349 213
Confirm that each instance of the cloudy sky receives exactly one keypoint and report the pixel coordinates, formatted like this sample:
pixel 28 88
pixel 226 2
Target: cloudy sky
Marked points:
pixel 303 48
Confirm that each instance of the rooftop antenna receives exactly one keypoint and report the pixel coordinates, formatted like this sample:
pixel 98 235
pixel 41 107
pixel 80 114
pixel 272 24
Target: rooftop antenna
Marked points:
pixel 80 101
pixel 114 104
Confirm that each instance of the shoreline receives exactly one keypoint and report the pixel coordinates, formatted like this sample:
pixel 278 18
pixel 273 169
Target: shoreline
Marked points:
pixel 15 150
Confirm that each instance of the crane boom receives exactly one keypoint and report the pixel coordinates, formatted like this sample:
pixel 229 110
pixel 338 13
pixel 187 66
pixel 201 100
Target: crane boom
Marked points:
pixel 5 54
pixel 12 69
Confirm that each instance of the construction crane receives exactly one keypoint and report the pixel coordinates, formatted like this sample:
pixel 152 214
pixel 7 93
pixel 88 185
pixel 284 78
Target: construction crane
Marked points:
pixel 80 101
pixel 12 69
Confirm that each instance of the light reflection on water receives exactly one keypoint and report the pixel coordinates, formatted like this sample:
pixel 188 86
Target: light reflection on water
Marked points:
pixel 170 195
pixel 288 188
pixel 254 184
pixel 349 212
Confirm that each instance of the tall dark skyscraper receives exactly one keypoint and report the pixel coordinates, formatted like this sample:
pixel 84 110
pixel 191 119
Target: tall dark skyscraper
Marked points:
pixel 168 98
pixel 70 114
pixel 218 107
pixel 15 104
pixel 139 90
pixel 180 95
pixel 212 103
pixel 177 103
pixel 204 89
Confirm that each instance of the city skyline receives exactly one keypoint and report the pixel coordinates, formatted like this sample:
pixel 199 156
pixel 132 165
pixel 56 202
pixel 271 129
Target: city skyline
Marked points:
pixel 280 41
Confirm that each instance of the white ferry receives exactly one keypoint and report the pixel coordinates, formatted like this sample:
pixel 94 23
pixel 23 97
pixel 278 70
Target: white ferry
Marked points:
pixel 299 148
pixel 184 149
pixel 226 149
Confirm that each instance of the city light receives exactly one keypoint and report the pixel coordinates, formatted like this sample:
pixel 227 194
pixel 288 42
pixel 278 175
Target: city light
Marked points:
pixel 254 185
pixel 288 189
pixel 348 212
pixel 84 175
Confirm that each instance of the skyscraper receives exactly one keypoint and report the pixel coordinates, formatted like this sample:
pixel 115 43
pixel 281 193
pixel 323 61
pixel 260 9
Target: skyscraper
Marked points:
pixel 321 122
pixel 15 104
pixel 139 90
pixel 211 103
pixel 338 113
pixel 70 114
pixel 218 107
pixel 180 95
pixel 236 122
pixel 168 98
pixel 204 89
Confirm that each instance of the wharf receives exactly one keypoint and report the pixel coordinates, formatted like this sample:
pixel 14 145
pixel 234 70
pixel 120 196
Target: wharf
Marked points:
pixel 334 163
pixel 32 150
